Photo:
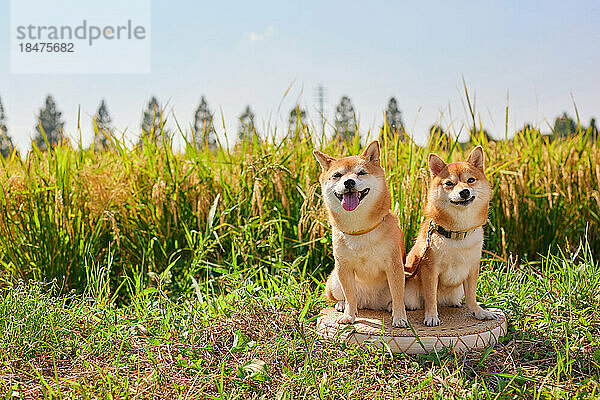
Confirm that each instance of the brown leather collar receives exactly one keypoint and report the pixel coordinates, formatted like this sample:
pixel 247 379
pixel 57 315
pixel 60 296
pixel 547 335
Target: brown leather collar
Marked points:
pixel 454 235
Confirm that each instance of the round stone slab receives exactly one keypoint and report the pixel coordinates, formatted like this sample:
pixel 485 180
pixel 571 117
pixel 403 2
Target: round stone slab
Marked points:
pixel 457 329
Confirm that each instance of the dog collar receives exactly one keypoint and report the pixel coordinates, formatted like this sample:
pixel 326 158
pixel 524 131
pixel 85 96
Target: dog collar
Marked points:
pixel 365 230
pixel 455 235
pixel 433 227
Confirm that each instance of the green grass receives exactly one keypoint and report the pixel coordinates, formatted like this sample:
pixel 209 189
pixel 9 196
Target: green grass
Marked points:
pixel 250 340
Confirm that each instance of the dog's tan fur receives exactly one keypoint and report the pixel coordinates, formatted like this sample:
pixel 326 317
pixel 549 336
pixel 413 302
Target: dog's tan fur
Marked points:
pixel 369 268
pixel 450 267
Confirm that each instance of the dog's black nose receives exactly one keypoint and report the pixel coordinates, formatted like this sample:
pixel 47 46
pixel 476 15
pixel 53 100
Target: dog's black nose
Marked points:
pixel 349 183
pixel 465 193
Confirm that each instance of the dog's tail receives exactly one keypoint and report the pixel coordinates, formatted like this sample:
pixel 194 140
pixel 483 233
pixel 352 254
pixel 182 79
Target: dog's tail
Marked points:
pixel 410 267
pixel 328 292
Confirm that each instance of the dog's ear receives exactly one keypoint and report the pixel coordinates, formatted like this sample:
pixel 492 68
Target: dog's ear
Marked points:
pixel 476 157
pixel 372 152
pixel 324 159
pixel 436 164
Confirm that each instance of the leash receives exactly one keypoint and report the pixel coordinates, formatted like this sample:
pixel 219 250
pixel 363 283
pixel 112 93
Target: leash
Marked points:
pixel 423 253
pixel 433 227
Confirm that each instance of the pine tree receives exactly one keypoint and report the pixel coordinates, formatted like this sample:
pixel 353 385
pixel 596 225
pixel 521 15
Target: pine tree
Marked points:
pixel 438 137
pixel 247 129
pixel 204 128
pixel 564 126
pixel 296 121
pixel 153 122
pixel 594 129
pixel 478 136
pixel 49 119
pixel 345 119
pixel 525 130
pixel 6 144
pixel 393 120
pixel 103 123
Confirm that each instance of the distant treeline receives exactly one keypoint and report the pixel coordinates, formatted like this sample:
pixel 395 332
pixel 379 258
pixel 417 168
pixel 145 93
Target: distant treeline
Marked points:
pixel 49 126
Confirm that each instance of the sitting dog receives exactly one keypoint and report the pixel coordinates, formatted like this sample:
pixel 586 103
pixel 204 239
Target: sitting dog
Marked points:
pixel 368 244
pixel 445 258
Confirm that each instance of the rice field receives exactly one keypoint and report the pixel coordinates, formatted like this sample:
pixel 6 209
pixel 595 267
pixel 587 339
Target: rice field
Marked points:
pixel 147 273
pixel 201 213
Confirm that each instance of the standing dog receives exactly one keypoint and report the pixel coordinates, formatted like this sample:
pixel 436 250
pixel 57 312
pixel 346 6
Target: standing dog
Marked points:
pixel 368 244
pixel 447 251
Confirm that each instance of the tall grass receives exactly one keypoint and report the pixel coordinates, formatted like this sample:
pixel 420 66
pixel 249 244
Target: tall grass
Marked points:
pixel 180 218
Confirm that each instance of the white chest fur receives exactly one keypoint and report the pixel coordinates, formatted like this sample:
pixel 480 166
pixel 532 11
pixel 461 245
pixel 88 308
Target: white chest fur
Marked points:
pixel 455 258
pixel 368 254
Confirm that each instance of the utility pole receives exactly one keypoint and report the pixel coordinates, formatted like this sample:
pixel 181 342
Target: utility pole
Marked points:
pixel 321 100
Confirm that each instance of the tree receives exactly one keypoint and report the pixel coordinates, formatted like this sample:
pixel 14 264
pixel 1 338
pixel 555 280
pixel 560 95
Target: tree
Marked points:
pixel 594 129
pixel 247 130
pixel 6 144
pixel 527 128
pixel 345 119
pixel 438 137
pixel 393 120
pixel 296 121
pixel 478 136
pixel 102 126
pixel 204 129
pixel 50 123
pixel 526 132
pixel 564 126
pixel 153 122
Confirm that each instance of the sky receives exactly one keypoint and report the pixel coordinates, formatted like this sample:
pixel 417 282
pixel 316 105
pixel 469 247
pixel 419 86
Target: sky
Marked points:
pixel 538 57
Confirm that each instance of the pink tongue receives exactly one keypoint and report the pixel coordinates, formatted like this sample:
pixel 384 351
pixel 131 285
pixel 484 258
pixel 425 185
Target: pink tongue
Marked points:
pixel 350 201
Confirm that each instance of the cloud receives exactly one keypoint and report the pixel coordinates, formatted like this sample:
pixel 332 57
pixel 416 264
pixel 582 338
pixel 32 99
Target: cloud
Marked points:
pixel 256 37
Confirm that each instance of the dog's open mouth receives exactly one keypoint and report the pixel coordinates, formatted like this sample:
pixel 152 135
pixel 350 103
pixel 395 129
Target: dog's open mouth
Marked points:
pixel 350 200
pixel 463 202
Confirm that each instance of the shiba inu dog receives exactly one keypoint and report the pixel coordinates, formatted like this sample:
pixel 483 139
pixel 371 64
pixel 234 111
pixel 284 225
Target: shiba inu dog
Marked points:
pixel 445 258
pixel 368 244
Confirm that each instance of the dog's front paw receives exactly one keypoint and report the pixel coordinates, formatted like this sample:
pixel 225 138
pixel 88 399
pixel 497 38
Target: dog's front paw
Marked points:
pixel 340 305
pixel 346 319
pixel 431 320
pixel 482 314
pixel 399 322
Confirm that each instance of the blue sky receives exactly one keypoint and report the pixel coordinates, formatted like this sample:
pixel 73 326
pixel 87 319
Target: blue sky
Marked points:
pixel 541 54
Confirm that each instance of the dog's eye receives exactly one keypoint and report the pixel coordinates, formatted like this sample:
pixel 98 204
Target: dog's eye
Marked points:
pixel 337 175
pixel 470 180
pixel 449 183
pixel 362 172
